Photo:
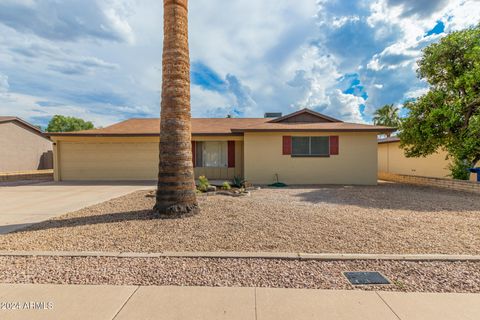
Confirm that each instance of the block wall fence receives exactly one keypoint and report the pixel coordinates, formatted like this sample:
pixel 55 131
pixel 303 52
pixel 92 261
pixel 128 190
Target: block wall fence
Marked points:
pixel 458 185
pixel 46 175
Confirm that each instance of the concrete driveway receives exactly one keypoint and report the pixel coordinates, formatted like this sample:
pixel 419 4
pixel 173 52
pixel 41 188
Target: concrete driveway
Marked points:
pixel 23 205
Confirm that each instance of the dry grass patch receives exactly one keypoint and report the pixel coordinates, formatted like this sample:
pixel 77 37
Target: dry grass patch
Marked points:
pixel 389 218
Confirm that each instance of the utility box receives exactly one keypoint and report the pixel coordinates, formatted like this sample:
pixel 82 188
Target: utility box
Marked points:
pixel 477 171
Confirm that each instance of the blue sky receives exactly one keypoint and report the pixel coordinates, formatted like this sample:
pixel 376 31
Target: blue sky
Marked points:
pixel 101 59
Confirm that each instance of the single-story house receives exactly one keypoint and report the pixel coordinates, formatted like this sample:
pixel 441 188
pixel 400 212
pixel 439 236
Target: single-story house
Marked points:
pixel 23 147
pixel 392 159
pixel 304 147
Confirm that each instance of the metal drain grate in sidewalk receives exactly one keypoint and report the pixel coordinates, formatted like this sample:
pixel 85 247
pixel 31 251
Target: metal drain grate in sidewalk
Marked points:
pixel 366 278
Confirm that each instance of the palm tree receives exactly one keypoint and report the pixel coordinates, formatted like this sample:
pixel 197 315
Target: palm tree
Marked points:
pixel 387 116
pixel 176 183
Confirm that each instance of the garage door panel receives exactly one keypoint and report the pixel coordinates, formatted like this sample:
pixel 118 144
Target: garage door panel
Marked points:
pixel 108 161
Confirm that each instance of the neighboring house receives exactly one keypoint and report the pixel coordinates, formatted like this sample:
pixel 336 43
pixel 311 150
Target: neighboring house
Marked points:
pixel 23 146
pixel 392 159
pixel 304 147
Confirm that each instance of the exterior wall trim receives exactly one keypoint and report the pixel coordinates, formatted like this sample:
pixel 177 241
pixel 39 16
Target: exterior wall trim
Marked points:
pixel 311 130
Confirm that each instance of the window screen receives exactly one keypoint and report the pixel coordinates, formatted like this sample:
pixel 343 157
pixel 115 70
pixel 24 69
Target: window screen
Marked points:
pixel 319 146
pixel 310 146
pixel 300 146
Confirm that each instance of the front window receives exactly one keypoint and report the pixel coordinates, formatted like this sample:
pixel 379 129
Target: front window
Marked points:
pixel 310 146
pixel 211 154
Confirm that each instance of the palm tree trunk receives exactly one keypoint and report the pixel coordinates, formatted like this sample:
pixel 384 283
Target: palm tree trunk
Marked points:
pixel 176 183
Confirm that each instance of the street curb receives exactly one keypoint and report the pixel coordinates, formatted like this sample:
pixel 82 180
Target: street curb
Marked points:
pixel 247 255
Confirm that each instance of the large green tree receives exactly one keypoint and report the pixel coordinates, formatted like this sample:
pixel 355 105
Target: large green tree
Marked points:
pixel 448 116
pixel 387 116
pixel 68 124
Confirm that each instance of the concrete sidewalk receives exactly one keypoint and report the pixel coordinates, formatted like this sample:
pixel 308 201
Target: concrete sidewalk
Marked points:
pixel 23 205
pixel 132 302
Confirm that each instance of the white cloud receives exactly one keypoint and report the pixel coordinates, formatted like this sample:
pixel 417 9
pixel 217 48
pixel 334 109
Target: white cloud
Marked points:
pixel 344 106
pixel 418 8
pixel 68 20
pixel 462 16
pixel 116 13
pixel 3 83
pixel 313 74
pixel 395 56
pixel 27 107
pixel 415 93
pixel 395 66
pixel 102 59
pixel 209 103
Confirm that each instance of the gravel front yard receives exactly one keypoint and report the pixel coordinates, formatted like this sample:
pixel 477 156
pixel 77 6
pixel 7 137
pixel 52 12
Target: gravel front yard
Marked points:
pixel 389 218
pixel 405 276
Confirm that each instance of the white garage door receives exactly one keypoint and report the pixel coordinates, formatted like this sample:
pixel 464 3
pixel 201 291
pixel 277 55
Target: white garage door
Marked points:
pixel 108 161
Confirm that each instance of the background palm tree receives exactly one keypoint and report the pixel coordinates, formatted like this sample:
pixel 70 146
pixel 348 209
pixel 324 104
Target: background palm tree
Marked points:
pixel 387 116
pixel 176 182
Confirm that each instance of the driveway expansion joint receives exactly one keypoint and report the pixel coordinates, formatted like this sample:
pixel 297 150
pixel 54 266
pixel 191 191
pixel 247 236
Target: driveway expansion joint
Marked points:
pixel 246 255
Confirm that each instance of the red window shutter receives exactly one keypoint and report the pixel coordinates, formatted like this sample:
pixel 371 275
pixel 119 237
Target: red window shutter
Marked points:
pixel 287 145
pixel 231 154
pixel 194 158
pixel 334 145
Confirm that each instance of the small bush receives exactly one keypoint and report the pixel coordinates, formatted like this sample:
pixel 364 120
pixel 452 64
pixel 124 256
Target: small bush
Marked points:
pixel 459 170
pixel 203 184
pixel 277 184
pixel 238 182
pixel 226 186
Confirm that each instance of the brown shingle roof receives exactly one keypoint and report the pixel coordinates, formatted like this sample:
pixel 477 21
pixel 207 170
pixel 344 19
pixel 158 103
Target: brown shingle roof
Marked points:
pixel 150 127
pixel 322 126
pixel 222 126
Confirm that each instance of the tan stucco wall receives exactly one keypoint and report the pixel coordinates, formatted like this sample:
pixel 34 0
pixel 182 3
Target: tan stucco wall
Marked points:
pixel 356 164
pixel 122 158
pixel 20 148
pixel 392 159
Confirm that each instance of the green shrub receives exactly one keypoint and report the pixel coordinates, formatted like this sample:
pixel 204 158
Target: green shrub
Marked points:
pixel 226 186
pixel 459 170
pixel 203 183
pixel 238 182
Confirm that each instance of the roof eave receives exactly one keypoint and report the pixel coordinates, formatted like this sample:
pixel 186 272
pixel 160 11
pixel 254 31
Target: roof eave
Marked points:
pixel 120 135
pixel 388 141
pixel 317 130
pixel 306 110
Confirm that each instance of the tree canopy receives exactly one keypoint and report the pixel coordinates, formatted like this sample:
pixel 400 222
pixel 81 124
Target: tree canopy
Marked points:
pixel 387 116
pixel 68 124
pixel 448 116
